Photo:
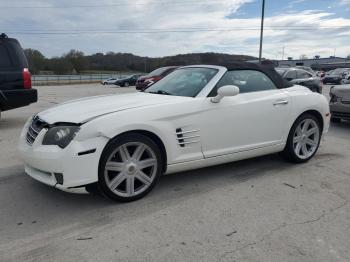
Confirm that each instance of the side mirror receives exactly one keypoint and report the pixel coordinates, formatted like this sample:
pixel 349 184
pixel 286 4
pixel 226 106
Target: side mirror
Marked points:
pixel 229 90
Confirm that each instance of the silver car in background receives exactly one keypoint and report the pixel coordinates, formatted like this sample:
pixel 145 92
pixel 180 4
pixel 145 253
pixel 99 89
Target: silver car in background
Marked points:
pixel 340 103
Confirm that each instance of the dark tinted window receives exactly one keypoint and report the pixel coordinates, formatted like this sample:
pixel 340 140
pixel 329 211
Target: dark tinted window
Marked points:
pixel 302 74
pixel 246 80
pixel 5 60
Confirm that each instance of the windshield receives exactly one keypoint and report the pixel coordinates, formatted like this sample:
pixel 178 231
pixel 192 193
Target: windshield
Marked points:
pixel 339 71
pixel 184 82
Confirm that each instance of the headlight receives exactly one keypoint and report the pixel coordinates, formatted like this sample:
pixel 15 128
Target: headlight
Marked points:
pixel 60 136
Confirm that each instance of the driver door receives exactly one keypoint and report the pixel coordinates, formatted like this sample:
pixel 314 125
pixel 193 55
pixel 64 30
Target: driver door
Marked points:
pixel 253 119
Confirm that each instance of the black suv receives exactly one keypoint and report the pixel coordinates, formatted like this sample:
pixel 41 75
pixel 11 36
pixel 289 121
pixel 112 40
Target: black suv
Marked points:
pixel 15 79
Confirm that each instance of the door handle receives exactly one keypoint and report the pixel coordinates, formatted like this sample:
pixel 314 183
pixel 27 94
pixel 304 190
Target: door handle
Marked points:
pixel 281 102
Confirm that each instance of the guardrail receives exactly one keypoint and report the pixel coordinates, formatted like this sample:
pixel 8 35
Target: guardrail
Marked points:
pixel 38 80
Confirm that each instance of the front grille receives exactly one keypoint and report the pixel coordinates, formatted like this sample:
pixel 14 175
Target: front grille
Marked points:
pixel 34 129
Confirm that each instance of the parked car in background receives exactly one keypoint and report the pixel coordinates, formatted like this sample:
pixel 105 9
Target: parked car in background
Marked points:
pixel 340 103
pixel 321 74
pixel 307 68
pixel 15 79
pixel 127 81
pixel 301 77
pixel 336 76
pixel 346 79
pixel 109 81
pixel 197 116
pixel 146 81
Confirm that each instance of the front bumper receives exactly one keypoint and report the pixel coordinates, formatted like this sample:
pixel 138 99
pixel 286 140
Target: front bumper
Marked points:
pixel 333 80
pixel 62 168
pixel 340 110
pixel 11 99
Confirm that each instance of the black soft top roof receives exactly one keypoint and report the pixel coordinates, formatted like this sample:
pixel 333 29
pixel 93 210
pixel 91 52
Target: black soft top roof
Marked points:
pixel 266 68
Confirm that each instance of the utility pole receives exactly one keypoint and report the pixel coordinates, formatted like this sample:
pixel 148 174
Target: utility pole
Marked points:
pixel 262 29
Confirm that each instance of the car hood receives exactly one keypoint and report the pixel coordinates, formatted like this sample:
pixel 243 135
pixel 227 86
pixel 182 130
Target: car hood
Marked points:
pixel 342 91
pixel 85 109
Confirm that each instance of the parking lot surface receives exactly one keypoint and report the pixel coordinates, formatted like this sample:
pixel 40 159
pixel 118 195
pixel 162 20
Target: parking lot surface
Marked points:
pixel 262 209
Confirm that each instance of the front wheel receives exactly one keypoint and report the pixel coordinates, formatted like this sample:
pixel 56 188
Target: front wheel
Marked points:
pixel 129 168
pixel 303 140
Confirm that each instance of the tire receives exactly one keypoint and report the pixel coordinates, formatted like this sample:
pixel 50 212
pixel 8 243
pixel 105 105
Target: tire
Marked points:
pixel 126 84
pixel 303 141
pixel 135 166
pixel 335 120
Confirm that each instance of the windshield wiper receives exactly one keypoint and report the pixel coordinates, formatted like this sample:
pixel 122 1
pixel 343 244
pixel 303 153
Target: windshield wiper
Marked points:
pixel 160 92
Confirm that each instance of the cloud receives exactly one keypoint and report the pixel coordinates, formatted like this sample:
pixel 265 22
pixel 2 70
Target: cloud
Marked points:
pixel 326 33
pixel 344 2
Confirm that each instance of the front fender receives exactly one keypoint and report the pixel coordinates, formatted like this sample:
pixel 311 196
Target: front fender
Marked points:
pixel 111 126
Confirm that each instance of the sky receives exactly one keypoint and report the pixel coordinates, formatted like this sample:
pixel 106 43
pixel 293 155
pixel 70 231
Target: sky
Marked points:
pixel 157 28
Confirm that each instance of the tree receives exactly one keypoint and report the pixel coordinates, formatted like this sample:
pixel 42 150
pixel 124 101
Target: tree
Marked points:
pixel 36 60
pixel 77 59
pixel 61 65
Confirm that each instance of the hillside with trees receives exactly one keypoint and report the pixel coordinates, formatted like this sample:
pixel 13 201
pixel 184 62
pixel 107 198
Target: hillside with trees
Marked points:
pixel 76 62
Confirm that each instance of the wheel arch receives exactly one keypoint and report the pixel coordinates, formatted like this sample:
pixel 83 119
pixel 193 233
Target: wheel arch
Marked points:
pixel 313 112
pixel 155 138
pixel 316 114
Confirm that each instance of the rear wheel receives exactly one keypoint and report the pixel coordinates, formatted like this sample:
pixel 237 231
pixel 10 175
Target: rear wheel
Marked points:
pixel 130 166
pixel 126 84
pixel 304 139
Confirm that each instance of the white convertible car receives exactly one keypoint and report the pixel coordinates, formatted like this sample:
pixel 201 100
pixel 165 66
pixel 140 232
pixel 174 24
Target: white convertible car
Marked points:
pixel 195 117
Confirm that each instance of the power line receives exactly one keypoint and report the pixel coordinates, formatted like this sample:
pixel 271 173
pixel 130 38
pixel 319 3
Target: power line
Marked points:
pixel 189 2
pixel 272 27
pixel 310 27
pixel 160 31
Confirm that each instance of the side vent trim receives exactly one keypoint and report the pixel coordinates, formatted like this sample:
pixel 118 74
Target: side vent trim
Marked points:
pixel 187 137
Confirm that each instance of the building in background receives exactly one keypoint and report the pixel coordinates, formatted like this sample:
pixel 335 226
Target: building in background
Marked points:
pixel 317 63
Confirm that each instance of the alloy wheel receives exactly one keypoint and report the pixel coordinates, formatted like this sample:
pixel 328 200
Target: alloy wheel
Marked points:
pixel 130 169
pixel 306 138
